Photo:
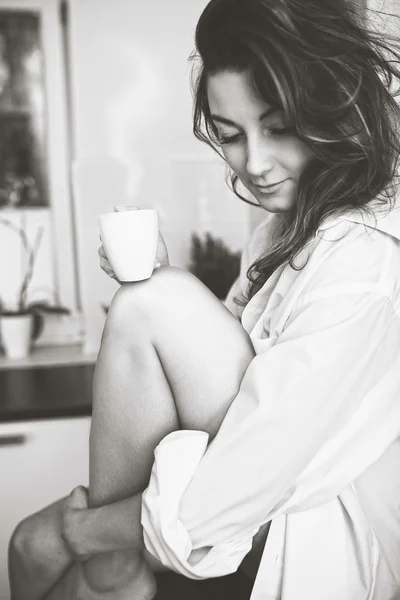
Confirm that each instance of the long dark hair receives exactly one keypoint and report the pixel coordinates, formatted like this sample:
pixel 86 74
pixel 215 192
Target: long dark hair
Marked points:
pixel 334 78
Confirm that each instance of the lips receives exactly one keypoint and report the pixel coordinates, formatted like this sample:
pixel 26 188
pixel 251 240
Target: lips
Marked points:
pixel 270 188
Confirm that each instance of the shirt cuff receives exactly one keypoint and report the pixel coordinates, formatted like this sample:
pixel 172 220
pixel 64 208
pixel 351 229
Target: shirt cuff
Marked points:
pixel 165 536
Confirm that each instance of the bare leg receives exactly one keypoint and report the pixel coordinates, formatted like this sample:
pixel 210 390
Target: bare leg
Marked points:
pixel 161 338
pixel 172 356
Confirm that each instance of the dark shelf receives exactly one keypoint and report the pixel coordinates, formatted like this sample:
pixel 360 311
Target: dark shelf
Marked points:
pixel 17 112
pixel 46 392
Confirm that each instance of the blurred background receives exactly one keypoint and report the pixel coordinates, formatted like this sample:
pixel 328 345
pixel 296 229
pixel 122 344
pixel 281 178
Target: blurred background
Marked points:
pixel 95 111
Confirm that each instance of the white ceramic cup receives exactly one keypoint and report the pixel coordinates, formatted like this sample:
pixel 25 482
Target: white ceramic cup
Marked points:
pixel 130 240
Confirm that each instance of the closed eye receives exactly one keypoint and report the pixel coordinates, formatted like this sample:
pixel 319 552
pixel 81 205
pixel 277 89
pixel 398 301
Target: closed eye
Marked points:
pixel 279 130
pixel 229 139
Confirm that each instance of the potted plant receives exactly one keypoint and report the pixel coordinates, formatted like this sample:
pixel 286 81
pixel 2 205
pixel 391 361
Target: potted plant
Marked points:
pixel 21 324
pixel 214 263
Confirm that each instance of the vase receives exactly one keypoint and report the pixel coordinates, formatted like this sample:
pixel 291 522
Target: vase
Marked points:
pixel 16 335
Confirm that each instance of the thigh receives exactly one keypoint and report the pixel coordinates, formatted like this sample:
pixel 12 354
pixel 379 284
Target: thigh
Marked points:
pixel 172 356
pixel 203 348
pixel 205 365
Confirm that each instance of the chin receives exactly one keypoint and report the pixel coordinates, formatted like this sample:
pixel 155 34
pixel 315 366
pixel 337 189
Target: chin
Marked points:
pixel 275 204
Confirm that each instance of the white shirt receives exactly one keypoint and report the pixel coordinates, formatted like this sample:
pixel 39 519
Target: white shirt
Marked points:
pixel 312 440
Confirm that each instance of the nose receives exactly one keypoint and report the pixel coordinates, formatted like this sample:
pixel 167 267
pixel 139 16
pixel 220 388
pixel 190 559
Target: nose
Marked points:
pixel 260 157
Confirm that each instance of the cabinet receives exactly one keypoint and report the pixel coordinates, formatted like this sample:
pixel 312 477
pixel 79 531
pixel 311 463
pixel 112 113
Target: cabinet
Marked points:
pixel 40 461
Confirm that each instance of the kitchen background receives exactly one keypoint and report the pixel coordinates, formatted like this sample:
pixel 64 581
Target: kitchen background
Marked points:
pixel 95 110
pixel 113 118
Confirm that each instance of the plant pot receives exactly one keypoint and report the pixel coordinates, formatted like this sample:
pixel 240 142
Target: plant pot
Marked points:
pixel 16 335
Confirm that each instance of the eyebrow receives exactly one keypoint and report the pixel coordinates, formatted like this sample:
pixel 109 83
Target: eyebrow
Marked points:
pixel 263 116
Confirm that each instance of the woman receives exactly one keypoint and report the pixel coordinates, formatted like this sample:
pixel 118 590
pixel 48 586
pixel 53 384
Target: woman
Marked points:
pixel 297 390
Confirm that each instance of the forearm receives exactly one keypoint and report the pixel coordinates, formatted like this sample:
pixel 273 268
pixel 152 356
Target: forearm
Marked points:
pixel 108 528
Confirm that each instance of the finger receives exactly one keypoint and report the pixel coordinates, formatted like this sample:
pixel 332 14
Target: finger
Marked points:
pixel 121 208
pixel 107 270
pixel 84 492
pixel 109 273
pixel 79 497
pixel 104 264
pixel 80 491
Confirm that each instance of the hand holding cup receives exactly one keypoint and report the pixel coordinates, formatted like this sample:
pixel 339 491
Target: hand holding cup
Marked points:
pixel 132 247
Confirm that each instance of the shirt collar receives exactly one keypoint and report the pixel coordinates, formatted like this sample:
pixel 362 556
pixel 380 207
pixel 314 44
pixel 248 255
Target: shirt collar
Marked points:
pixel 381 219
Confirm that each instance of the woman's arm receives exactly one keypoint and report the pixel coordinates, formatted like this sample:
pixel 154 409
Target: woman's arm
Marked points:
pixel 294 401
pixel 295 435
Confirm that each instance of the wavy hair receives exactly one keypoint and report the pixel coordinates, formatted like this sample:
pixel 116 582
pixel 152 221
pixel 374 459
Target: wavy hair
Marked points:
pixel 335 80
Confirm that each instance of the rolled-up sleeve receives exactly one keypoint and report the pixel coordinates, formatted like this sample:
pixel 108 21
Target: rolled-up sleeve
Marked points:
pixel 316 407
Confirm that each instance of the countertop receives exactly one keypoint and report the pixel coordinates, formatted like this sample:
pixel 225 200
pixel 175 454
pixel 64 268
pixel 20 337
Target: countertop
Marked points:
pixel 41 356
pixel 45 392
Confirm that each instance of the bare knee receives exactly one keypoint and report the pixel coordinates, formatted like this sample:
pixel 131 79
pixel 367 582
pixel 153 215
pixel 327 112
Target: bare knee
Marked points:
pixel 167 281
pixel 19 541
pixel 166 293
pixel 26 544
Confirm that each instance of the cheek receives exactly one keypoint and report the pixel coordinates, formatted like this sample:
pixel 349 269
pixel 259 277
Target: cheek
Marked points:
pixel 299 155
pixel 234 158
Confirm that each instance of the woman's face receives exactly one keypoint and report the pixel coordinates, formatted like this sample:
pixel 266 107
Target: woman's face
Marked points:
pixel 267 158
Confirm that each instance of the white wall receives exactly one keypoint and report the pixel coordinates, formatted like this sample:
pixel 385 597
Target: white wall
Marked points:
pixel 132 111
